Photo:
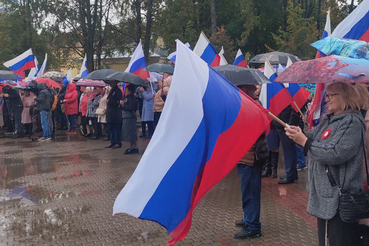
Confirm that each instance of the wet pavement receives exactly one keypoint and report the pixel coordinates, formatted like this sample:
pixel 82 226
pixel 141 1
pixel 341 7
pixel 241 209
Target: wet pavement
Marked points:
pixel 61 192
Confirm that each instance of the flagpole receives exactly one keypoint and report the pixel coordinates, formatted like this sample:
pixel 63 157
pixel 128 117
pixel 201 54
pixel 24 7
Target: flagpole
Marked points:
pixel 302 115
pixel 277 119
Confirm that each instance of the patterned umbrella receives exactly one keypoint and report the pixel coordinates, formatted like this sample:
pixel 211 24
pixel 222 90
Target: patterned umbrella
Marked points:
pixel 54 75
pixel 343 47
pixel 8 82
pixel 91 83
pixel 326 70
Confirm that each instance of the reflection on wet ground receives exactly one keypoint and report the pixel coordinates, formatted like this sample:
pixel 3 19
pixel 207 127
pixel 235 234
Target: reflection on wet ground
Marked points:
pixel 62 193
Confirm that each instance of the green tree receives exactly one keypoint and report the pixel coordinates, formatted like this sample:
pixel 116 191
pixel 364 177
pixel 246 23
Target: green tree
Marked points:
pixel 219 39
pixel 300 33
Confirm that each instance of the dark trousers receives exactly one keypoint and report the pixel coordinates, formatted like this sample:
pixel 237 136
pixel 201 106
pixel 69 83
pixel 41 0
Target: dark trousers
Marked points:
pixel 150 125
pixel 106 129
pixel 156 118
pixel 339 232
pixel 18 121
pixel 290 159
pixel 96 126
pixel 250 177
pixel 28 128
pixel 115 133
pixel 72 121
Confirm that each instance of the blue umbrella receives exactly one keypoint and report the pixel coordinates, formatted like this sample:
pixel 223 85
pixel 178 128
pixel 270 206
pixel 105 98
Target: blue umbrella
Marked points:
pixel 344 47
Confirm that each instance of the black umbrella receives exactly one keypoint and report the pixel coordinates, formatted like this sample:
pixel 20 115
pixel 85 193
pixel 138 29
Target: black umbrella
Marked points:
pixel 5 74
pixel 161 68
pixel 126 77
pixel 100 74
pixel 241 75
pixel 275 57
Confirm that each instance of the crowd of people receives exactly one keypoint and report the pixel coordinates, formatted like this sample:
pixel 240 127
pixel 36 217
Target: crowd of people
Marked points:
pixel 94 112
pixel 336 148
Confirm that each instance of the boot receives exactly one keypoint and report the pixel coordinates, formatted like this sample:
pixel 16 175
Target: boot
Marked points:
pixel 274 156
pixel 267 170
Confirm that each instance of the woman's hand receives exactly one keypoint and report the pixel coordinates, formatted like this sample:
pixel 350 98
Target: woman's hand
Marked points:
pixel 295 133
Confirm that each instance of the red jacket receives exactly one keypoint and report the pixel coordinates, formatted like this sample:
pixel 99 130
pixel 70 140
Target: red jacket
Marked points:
pixel 71 100
pixel 84 104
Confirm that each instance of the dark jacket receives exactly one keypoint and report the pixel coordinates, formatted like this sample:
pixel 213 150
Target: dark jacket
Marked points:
pixel 44 98
pixel 289 116
pixel 113 111
pixel 14 100
pixel 129 107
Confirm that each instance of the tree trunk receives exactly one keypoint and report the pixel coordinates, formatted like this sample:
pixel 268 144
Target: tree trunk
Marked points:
pixel 213 15
pixel 318 18
pixel 146 48
pixel 138 20
pixel 351 6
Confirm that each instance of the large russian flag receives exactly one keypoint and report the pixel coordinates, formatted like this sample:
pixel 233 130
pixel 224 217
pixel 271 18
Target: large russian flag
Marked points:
pixel 274 96
pixel 137 64
pixel 354 26
pixel 206 51
pixel 22 62
pixel 240 59
pixel 215 125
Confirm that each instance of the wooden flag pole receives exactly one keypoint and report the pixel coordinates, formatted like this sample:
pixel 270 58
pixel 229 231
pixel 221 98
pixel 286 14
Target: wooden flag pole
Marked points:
pixel 278 119
pixel 302 115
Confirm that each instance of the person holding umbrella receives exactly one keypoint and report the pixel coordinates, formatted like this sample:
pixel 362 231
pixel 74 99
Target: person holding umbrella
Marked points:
pixel 114 115
pixel 335 150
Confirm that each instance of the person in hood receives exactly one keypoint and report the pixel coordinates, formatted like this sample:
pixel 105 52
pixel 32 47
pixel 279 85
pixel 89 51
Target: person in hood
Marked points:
pixel 15 107
pixel 71 107
pixel 44 103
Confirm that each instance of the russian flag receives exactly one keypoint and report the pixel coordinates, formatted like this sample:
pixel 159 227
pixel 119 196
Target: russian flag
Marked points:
pixel 33 72
pixel 240 59
pixel 274 96
pixel 42 69
pixel 137 64
pixel 206 51
pixel 317 105
pixel 299 94
pixel 356 25
pixel 68 78
pixel 22 62
pixel 166 186
pixel 223 60
pixel 172 56
pixel 83 72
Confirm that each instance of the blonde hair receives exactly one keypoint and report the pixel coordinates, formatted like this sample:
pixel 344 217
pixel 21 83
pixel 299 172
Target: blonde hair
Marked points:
pixel 363 96
pixel 348 95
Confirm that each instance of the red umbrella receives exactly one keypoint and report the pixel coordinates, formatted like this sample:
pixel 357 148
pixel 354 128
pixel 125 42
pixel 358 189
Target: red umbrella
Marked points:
pixel 48 82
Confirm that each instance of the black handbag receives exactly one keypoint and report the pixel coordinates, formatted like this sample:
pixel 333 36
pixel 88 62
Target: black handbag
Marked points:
pixel 352 206
pixel 261 150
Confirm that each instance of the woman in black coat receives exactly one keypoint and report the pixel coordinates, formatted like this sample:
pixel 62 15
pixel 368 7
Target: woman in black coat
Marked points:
pixel 114 115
